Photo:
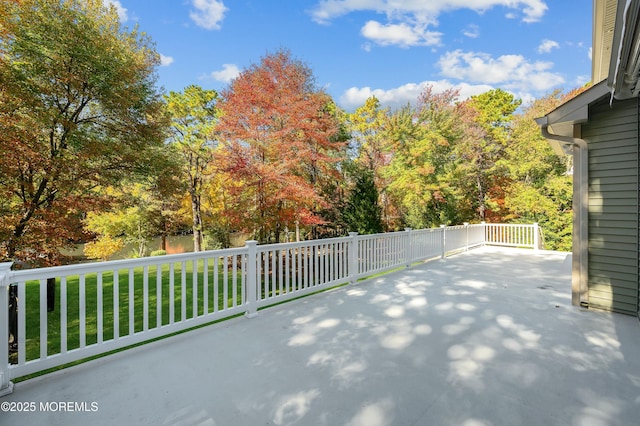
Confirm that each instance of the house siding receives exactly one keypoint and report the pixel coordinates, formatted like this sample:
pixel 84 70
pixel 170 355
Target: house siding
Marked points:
pixel 614 256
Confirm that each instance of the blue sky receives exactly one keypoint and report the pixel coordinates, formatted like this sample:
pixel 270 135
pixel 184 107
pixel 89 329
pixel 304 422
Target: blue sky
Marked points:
pixel 387 48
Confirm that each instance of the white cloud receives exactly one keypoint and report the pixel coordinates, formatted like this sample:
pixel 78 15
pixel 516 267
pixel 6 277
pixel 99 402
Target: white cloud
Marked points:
pixel 472 31
pixel 547 46
pixel 408 21
pixel 208 14
pixel 590 53
pixel 402 34
pixel 227 73
pixel 165 60
pixel 531 10
pixel 510 72
pixel 122 12
pixel 407 93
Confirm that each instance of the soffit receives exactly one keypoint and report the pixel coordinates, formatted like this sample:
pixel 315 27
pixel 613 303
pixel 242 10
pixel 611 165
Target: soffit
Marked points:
pixel 604 20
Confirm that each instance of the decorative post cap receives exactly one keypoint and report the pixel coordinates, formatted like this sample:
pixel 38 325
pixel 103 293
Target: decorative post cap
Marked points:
pixel 5 267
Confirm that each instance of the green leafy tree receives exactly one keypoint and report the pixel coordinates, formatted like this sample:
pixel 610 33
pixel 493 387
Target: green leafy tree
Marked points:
pixel 421 140
pixel 105 246
pixel 487 126
pixel 367 126
pixel 193 119
pixel 541 187
pixel 78 108
pixel 134 218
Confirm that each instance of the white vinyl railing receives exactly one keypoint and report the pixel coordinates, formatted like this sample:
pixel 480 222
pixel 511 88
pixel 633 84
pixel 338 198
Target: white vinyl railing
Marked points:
pixel 513 235
pixel 104 306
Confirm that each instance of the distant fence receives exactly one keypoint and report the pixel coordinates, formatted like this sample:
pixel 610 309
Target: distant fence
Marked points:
pixel 104 306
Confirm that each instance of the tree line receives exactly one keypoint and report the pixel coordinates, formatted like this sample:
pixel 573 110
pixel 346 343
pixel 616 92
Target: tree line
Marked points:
pixel 92 150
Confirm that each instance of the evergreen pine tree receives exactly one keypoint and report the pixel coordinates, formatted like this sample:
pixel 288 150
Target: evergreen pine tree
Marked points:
pixel 362 213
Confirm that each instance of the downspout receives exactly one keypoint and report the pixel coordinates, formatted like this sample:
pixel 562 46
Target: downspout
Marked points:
pixel 580 262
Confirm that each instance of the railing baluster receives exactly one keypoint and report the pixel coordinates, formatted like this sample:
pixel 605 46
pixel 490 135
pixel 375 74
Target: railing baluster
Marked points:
pixel 194 285
pixel 243 279
pixel 63 315
pixel 280 271
pixel 172 293
pixel 225 283
pixel 272 254
pixel 265 274
pixel 183 291
pixel 22 329
pixel 145 298
pixel 289 273
pixel 83 312
pixel 234 278
pixel 132 318
pixel 205 286
pixel 216 283
pixel 159 295
pixel 315 252
pixel 116 306
pixel 100 319
pixel 43 319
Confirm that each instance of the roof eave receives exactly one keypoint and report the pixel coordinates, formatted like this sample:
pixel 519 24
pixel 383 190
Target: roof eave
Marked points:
pixel 576 110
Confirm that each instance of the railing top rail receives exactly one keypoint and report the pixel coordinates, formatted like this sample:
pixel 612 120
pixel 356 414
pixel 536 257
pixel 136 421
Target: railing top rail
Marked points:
pixel 512 225
pixel 299 244
pixel 111 265
pixel 83 268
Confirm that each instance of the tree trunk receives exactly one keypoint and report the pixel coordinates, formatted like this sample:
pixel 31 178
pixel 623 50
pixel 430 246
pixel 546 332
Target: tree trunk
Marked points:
pixel 51 294
pixel 197 222
pixel 481 203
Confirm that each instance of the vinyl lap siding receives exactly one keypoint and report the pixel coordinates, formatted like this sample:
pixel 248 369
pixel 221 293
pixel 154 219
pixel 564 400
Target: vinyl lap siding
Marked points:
pixel 612 135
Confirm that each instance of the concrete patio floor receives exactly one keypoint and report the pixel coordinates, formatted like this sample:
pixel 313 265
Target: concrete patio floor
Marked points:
pixel 486 337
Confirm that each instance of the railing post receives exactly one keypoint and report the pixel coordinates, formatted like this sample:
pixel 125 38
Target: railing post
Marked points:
pixel 6 386
pixel 466 229
pixel 408 248
pixel 484 232
pixel 252 280
pixel 353 257
pixel 443 242
pixel 536 236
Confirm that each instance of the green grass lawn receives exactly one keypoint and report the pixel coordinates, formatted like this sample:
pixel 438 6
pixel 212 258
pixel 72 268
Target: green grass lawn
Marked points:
pixel 221 276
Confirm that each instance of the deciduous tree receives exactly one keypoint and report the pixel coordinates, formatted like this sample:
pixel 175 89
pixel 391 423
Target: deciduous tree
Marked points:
pixel 421 141
pixel 279 132
pixel 487 119
pixel 78 108
pixel 134 218
pixel 193 118
pixel 541 185
pixel 367 127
